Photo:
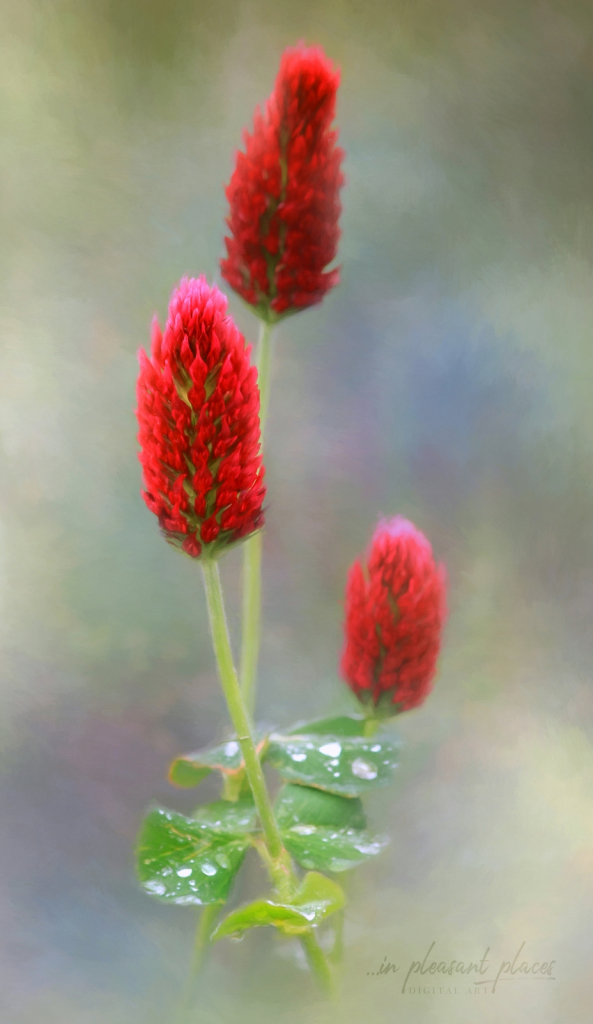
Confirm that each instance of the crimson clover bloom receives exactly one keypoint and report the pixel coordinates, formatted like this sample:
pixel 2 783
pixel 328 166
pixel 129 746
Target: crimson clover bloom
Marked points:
pixel 395 610
pixel 198 412
pixel 284 192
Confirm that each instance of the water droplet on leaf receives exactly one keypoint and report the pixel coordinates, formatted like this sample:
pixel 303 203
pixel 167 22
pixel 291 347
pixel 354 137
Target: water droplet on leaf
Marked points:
pixel 363 770
pixel 331 749
pixel 156 887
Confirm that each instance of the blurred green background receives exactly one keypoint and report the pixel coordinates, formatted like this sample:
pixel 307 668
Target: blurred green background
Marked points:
pixel 449 378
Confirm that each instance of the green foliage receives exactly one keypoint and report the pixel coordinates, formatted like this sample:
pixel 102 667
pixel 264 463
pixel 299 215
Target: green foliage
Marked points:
pixel 181 860
pixel 228 816
pixel 340 725
pixel 188 770
pixel 303 805
pixel 317 898
pixel 329 849
pixel 346 765
pixel 327 764
pixel 324 831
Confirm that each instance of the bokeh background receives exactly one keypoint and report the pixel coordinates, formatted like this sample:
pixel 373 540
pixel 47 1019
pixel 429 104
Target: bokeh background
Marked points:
pixel 449 378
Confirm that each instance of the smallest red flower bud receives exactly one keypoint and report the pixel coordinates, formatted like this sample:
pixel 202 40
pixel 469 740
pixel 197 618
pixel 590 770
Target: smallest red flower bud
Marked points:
pixel 395 611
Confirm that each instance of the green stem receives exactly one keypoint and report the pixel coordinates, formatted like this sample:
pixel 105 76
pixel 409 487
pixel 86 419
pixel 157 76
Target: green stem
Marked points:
pixel 337 954
pixel 251 619
pixel 280 865
pixel 252 549
pixel 370 726
pixel 204 929
pixel 239 714
pixel 316 958
pixel 263 361
pixel 318 963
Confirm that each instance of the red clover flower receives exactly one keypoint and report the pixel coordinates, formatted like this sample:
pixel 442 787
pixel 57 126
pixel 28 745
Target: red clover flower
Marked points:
pixel 284 192
pixel 395 610
pixel 198 412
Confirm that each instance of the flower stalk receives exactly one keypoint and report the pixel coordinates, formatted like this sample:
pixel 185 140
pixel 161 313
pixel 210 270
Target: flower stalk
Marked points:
pixel 238 711
pixel 277 858
pixel 252 551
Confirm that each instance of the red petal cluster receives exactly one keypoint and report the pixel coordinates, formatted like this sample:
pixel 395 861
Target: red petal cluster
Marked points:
pixel 198 412
pixel 284 192
pixel 394 615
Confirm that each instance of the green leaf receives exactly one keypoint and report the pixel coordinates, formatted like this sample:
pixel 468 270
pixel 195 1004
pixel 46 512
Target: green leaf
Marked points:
pixel 180 860
pixel 302 805
pixel 185 772
pixel 328 849
pixel 188 770
pixel 340 725
pixel 317 898
pixel 321 893
pixel 228 815
pixel 346 765
pixel 288 919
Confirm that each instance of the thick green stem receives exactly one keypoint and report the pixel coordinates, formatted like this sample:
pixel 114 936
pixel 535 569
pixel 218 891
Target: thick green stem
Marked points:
pixel 279 862
pixel 252 549
pixel 237 709
pixel 251 619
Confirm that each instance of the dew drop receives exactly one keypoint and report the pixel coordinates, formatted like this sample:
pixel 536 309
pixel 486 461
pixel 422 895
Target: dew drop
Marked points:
pixel 369 848
pixel 231 748
pixel 184 872
pixel 298 757
pixel 376 748
pixel 363 770
pixel 303 830
pixel 207 869
pixel 331 749
pixel 334 762
pixel 156 887
pixel 223 860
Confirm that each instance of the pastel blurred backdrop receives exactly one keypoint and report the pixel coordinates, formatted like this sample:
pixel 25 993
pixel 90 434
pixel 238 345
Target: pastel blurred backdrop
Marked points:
pixel 448 378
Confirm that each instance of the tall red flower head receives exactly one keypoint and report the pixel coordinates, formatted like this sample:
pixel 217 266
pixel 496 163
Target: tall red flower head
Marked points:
pixel 198 411
pixel 284 192
pixel 395 610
